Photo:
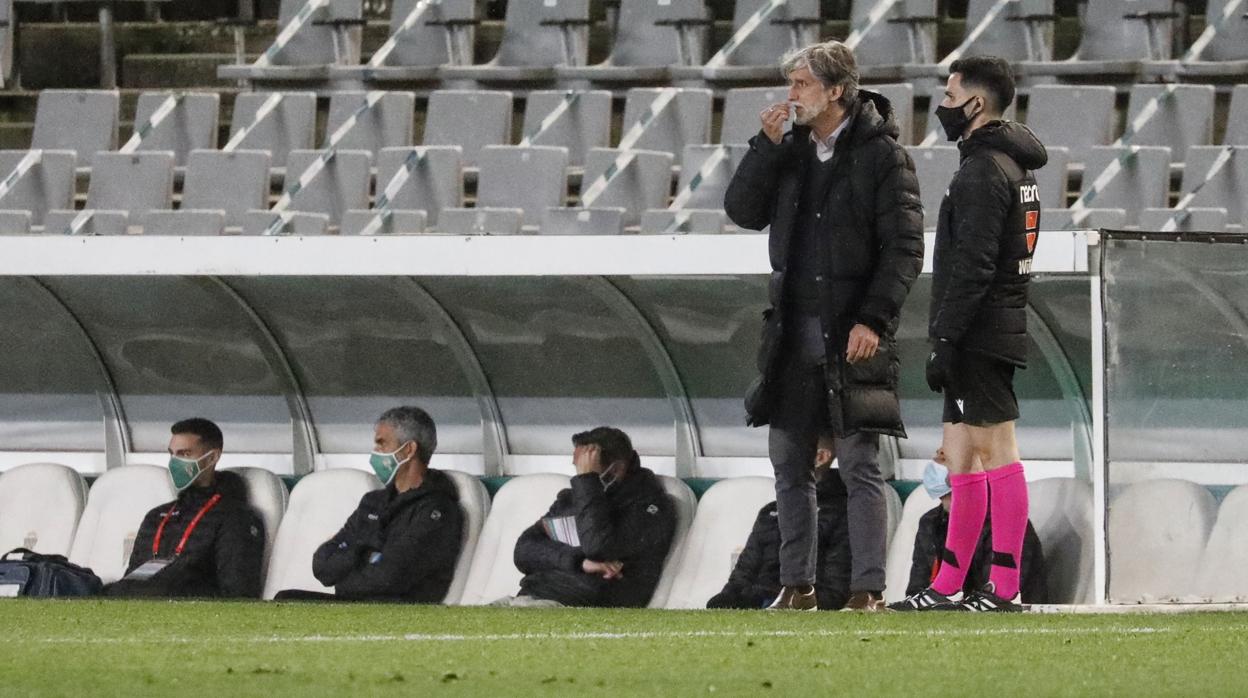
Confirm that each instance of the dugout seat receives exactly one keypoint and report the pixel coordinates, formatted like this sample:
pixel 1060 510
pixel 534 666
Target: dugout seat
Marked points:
pixel 387 125
pixel 686 505
pixel 718 533
pixel 289 124
pixel 1061 513
pixel 474 502
pixel 470 119
pixel 48 185
pixel 517 505
pixel 84 121
pixel 1157 535
pixel 893 508
pixel 40 504
pixel 319 506
pixel 192 125
pixel 267 495
pixel 585 124
pixel 901 546
pixel 1223 572
pixel 116 505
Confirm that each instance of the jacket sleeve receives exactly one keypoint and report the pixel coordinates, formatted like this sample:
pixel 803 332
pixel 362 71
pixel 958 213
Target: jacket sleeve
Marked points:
pixel 240 555
pixel 536 551
pixel 899 231
pixel 922 559
pixel 142 550
pixel 639 530
pixel 421 542
pixel 833 574
pixel 744 576
pixel 1035 585
pixel 336 557
pixel 980 195
pixel 751 196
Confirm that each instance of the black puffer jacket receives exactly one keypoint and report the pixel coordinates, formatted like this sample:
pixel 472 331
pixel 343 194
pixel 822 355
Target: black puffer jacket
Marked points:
pixel 870 251
pixel 396 546
pixel 632 522
pixel 755 579
pixel 222 557
pixel 989 222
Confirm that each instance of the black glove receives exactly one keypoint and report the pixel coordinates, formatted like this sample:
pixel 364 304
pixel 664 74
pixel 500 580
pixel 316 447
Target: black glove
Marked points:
pixel 940 365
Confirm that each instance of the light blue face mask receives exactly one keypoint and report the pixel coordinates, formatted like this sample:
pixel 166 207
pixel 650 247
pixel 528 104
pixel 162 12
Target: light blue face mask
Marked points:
pixel 387 464
pixel 936 480
pixel 184 471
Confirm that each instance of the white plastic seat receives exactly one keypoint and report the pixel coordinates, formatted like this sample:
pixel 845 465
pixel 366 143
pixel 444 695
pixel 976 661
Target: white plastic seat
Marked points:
pixel 319 506
pixel 893 508
pixel 1157 535
pixel 1061 513
pixel 267 495
pixel 40 504
pixel 84 121
pixel 901 546
pixel 517 505
pixel 474 502
pixel 719 530
pixel 116 505
pixel 48 185
pixel 1223 571
pixel 686 504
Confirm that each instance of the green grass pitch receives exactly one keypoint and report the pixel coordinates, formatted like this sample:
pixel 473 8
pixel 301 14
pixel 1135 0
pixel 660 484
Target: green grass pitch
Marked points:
pixel 96 648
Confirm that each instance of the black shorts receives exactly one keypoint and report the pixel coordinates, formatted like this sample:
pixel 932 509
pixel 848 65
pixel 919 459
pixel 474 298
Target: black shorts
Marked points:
pixel 980 391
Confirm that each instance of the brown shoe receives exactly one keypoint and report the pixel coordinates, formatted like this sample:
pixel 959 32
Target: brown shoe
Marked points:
pixel 790 599
pixel 865 601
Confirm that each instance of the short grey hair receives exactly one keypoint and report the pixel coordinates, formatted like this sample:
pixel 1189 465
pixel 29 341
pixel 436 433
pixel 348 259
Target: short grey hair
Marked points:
pixel 831 62
pixel 413 424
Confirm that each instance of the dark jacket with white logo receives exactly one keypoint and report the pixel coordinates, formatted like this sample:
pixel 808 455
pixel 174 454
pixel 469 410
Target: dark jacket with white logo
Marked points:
pixel 396 546
pixel 222 557
pixel 632 522
pixel 985 239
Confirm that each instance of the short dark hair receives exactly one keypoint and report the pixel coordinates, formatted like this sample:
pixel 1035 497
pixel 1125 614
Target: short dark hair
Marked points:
pixel 413 424
pixel 990 74
pixel 207 431
pixel 613 443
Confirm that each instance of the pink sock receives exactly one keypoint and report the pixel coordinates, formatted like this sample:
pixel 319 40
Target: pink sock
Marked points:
pixel 1008 489
pixel 966 521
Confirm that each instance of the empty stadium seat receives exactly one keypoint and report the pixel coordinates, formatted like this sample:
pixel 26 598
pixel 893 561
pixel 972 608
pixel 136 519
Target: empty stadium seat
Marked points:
pixel 583 124
pixel 84 121
pixel 741 109
pixel 1061 513
pixel 342 186
pixel 219 189
pixel 583 221
pixel 441 34
pixel 434 183
pixel 651 36
pixel 536 39
pixel 123 188
pixel 901 546
pixel 1072 116
pixel 686 504
pixel 1191 219
pixel 1017 30
pixel 40 504
pixel 904 34
pixel 707 198
pixel 1085 219
pixel 1223 54
pixel 116 505
pixel 388 124
pixel 311 50
pixel 471 119
pixel 1237 118
pixel 1053 178
pixel 1223 572
pixel 47 185
pixel 685 121
pixel 517 505
pixel 640 185
pixel 288 124
pixel 1119 36
pixel 935 166
pixel 192 125
pixel 1157 535
pixel 474 502
pixel 515 187
pixel 1142 180
pixel 791 25
pixel 267 495
pixel 1184 116
pixel 901 97
pixel 1226 187
pixel 319 506
pixel 721 525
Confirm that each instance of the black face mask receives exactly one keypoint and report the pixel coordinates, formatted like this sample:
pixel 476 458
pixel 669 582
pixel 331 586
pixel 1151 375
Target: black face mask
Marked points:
pixel 954 119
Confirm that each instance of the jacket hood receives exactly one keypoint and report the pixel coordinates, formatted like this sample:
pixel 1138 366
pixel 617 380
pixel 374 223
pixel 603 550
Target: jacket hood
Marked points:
pixel 435 482
pixel 871 117
pixel 639 483
pixel 1011 138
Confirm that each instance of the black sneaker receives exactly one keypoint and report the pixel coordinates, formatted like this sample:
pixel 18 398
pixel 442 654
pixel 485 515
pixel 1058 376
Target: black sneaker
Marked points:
pixel 986 601
pixel 929 600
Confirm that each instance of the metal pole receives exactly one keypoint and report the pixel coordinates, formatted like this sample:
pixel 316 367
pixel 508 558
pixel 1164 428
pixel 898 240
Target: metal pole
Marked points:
pixel 1100 443
pixel 108 48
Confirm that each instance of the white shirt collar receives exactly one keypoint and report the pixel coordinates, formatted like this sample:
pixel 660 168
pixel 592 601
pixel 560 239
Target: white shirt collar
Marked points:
pixel 825 148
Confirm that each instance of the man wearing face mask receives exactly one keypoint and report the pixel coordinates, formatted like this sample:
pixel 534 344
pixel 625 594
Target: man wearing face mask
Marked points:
pixel 604 540
pixel 208 542
pixel 403 540
pixel 985 240
pixel 846 244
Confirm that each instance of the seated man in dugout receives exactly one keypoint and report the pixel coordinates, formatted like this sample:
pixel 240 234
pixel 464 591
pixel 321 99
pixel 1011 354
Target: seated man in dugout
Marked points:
pixel 403 540
pixel 604 540
pixel 755 578
pixel 208 542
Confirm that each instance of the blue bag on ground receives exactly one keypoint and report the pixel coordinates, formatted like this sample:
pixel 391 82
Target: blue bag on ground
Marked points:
pixel 34 574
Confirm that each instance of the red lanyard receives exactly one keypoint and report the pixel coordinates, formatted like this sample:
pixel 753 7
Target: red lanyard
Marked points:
pixel 185 534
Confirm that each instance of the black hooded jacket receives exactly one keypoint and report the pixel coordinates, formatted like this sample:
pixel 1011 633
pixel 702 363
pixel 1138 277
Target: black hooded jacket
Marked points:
pixel 396 546
pixel 223 555
pixel 869 243
pixel 985 239
pixel 929 542
pixel 632 522
pixel 755 578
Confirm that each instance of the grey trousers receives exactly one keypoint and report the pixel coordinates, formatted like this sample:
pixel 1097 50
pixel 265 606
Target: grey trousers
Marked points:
pixel 797 419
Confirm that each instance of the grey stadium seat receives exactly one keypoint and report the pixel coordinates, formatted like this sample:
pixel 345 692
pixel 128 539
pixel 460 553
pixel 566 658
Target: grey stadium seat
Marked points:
pixel 1085 219
pixel 291 125
pixel 342 186
pixel 537 37
pixel 312 51
pixel 685 121
pixel 1021 30
pixel 642 184
pixel 1225 54
pixel 685 504
pixel 423 48
pixel 1191 219
pixel 516 182
pixel 1074 116
pixel 1237 118
pixel 220 188
pixel 84 121
pixel 651 36
pixel 1053 178
pixel 1157 534
pixel 1143 181
pixel 709 194
pixel 599 220
pixel 40 504
pixel 1183 119
pixel 1061 513
pixel 904 35
pixel 47 185
pixel 123 188
pixel 1226 188
pixel 901 97
pixel 435 183
pixel 792 25
pixel 1223 572
pixel 585 124
pixel 741 108
pixel 192 125
pixel 1119 36
pixel 387 125
pixel 116 504
pixel 935 166
pixel 470 119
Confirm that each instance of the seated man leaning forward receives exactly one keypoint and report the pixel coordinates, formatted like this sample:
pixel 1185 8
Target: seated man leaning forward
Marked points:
pixel 207 542
pixel 604 540
pixel 403 540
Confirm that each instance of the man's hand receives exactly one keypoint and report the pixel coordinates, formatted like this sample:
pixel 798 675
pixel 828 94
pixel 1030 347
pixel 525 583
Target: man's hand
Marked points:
pixel 613 569
pixel 863 343
pixel 587 459
pixel 940 365
pixel 773 119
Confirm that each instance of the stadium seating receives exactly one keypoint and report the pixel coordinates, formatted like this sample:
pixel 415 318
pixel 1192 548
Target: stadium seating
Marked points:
pixel 470 119
pixel 1184 117
pixel 319 506
pixel 685 121
pixel 387 125
pixel 1053 178
pixel 536 39
pixel 83 121
pixel 1190 219
pixel 642 183
pixel 901 547
pixel 741 108
pixel 40 504
pixel 1223 572
pixel 1061 513
pixel 1223 54
pixel 515 187
pixel 1225 186
pixel 47 185
pixel 705 201
pixel 934 166
pixel 585 123
pixel 650 37
pixel 289 124
pixel 756 59
pixel 435 183
pixel 342 186
pixel 124 188
pixel 1119 37
pixel 1157 534
pixel 1237 118
pixel 311 51
pixel 219 189
pixel 885 44
pixel 1070 116
pixel 191 125
pixel 116 504
pixel 1142 179
pixel 442 34
pixel 1020 30
pixel 1083 219
pixel 474 501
